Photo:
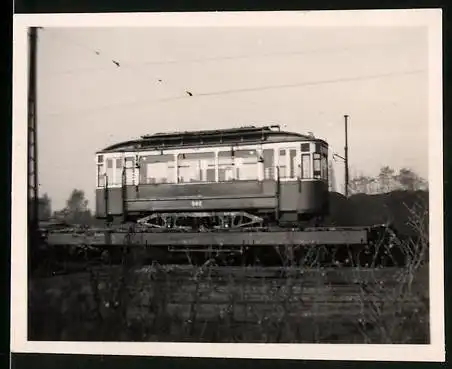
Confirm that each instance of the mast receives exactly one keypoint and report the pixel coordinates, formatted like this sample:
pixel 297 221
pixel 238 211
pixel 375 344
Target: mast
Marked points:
pixel 33 193
pixel 346 155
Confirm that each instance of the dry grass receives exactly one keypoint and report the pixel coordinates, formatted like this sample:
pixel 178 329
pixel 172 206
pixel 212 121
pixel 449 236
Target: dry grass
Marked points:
pixel 309 303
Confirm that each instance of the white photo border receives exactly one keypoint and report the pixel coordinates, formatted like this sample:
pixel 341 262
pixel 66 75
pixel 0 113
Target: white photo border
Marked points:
pixel 429 18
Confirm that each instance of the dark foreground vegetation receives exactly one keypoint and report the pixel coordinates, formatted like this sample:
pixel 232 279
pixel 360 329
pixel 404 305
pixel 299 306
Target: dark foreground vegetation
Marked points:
pixel 214 305
pixel 136 302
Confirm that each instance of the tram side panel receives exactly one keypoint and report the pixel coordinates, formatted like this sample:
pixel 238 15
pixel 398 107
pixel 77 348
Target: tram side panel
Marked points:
pixel 305 198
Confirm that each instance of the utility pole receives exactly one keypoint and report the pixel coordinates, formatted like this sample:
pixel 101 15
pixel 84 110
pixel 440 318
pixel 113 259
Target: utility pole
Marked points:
pixel 33 194
pixel 346 155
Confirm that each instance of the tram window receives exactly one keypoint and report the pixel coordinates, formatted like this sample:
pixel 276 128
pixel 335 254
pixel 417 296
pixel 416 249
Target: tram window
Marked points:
pixel 155 169
pixel 195 167
pixel 305 147
pixel 100 176
pixel 268 164
pixel 118 171
pixel 109 171
pixel 306 165
pixel 100 159
pixel 282 164
pixel 210 173
pixel 246 164
pixel 324 165
pixel 293 158
pixel 225 166
pixel 317 165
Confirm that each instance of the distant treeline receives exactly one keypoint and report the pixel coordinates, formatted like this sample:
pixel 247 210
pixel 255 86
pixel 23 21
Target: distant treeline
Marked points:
pixel 387 180
pixel 76 210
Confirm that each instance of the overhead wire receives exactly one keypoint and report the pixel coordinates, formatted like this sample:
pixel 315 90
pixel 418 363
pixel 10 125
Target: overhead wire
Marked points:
pixel 145 64
pixel 99 52
pixel 194 95
pixel 191 94
pixel 123 66
pixel 96 51
pixel 311 83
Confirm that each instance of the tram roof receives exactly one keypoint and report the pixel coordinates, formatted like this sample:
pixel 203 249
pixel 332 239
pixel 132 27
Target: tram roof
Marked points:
pixel 205 138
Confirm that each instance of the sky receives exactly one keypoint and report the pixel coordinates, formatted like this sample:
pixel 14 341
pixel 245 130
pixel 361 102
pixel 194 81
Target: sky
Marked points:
pixel 304 79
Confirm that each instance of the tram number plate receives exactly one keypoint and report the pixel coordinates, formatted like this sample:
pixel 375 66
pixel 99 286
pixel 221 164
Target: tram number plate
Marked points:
pixel 196 203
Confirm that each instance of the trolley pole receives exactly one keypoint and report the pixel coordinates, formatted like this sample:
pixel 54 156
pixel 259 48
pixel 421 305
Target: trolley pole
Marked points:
pixel 346 155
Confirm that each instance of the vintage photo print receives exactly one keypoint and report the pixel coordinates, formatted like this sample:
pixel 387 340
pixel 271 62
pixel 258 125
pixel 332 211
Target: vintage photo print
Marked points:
pixel 247 184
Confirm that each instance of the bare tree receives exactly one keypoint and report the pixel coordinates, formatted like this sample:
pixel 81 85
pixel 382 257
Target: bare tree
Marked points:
pixel 409 180
pixel 385 178
pixel 76 210
pixel 361 184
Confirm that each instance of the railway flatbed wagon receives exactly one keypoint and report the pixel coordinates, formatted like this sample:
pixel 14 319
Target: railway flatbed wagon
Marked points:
pixel 250 194
pixel 345 245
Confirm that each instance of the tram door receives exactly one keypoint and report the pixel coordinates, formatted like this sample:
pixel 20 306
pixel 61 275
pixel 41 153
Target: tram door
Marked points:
pixel 289 185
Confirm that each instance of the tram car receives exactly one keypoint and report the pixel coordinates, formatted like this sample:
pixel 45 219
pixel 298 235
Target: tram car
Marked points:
pixel 214 179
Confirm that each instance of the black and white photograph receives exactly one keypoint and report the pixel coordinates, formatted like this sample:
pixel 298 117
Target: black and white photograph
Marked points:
pixel 252 185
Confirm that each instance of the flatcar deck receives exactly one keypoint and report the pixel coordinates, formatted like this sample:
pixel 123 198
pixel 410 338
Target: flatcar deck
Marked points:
pixel 320 236
pixel 270 237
